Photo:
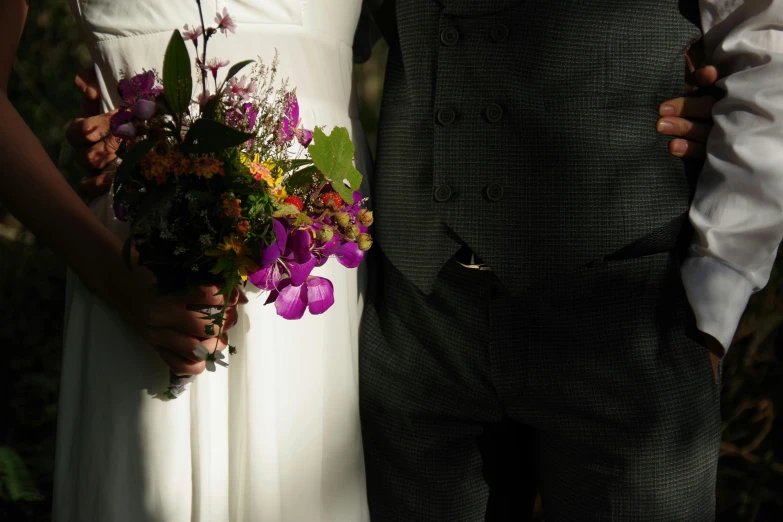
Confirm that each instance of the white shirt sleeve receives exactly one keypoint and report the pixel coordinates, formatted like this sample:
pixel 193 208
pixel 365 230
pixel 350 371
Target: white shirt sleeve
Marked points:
pixel 737 211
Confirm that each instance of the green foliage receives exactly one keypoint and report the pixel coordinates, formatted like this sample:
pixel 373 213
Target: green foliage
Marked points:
pixel 333 155
pixel 220 136
pixel 177 79
pixel 15 481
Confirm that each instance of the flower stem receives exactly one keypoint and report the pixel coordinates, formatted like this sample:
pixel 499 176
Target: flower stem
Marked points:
pixel 204 55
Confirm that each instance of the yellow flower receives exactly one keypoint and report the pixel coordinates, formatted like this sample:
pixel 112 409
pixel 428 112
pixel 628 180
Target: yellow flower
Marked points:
pixel 234 247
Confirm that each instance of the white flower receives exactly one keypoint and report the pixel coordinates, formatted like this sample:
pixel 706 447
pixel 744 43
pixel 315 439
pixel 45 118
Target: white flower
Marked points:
pixel 212 358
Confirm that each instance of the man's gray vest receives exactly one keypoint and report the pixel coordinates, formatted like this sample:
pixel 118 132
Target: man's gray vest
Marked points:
pixel 525 129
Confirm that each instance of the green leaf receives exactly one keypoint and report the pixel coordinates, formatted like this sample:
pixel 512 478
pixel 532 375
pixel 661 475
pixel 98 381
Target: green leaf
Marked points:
pixel 177 79
pixel 333 155
pixel 285 210
pixel 234 69
pixel 130 159
pixel 304 177
pixel 16 484
pixel 302 219
pixel 210 109
pixel 206 136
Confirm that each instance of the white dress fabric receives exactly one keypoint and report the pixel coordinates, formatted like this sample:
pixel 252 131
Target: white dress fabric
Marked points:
pixel 276 437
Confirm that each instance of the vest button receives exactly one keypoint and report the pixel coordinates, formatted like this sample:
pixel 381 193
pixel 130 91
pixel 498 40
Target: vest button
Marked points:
pixel 499 33
pixel 494 113
pixel 446 116
pixel 449 36
pixel 442 193
pixel 494 192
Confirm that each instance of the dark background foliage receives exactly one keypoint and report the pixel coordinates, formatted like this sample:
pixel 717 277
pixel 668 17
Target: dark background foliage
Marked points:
pixel 32 285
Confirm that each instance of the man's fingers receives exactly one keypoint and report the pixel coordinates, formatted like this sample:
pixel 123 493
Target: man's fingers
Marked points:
pixel 91 188
pixel 243 297
pixel 87 83
pixel 694 108
pixel 687 149
pixel 186 322
pixel 682 128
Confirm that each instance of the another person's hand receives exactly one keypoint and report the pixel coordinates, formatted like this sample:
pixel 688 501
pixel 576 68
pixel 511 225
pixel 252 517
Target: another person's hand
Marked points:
pixel 689 119
pixel 716 354
pixel 89 136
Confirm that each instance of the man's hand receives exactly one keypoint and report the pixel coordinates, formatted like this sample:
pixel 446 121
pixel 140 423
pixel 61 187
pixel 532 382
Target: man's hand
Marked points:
pixel 89 136
pixel 689 118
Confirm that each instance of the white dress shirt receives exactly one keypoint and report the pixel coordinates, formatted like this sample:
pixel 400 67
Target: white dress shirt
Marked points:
pixel 737 212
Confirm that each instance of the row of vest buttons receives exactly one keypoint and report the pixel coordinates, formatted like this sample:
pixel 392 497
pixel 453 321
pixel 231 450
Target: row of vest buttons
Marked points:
pixel 493 192
pixel 450 36
pixel 447 116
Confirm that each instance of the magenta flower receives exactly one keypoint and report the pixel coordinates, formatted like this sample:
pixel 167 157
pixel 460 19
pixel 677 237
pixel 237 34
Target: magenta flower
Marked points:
pixel 192 34
pixel 213 65
pixel 225 22
pixel 316 294
pixel 140 87
pixel 291 124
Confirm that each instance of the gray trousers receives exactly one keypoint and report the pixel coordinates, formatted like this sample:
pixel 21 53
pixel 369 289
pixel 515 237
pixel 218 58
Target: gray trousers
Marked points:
pixel 589 387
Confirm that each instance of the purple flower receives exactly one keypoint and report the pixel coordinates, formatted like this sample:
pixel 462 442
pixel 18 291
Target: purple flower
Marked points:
pixel 144 109
pixel 225 22
pixel 140 87
pixel 304 136
pixel 290 118
pixel 122 126
pixel 349 255
pixel 315 294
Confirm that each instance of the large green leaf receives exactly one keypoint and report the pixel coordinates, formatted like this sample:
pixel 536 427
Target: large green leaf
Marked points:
pixel 177 79
pixel 206 136
pixel 333 155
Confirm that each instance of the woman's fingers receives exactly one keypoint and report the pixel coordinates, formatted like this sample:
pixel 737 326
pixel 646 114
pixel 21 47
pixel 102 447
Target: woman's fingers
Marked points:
pixel 692 108
pixel 682 128
pixel 706 76
pixel 180 365
pixel 687 149
pixel 183 345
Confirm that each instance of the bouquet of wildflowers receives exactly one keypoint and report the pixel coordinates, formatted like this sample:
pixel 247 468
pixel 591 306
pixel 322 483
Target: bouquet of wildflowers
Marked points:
pixel 229 187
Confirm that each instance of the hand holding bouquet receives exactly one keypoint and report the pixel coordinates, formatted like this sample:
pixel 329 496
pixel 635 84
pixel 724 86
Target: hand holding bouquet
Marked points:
pixel 231 187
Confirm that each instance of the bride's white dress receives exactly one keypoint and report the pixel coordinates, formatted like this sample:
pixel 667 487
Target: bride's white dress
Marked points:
pixel 275 438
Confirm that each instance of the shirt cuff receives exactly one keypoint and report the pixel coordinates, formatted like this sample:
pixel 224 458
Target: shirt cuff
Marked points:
pixel 718 295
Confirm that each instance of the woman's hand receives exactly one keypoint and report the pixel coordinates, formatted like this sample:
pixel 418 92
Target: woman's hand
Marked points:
pixel 170 323
pixel 689 119
pixel 89 136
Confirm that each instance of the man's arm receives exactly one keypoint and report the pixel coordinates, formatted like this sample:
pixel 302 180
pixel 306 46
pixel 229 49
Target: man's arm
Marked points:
pixel 737 211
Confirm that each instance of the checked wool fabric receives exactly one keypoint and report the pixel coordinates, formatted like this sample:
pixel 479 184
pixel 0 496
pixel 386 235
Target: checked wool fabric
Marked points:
pixel 524 130
pixel 598 365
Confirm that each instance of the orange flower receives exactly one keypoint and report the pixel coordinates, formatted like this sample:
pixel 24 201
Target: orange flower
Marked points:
pixel 207 167
pixel 231 206
pixel 243 227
